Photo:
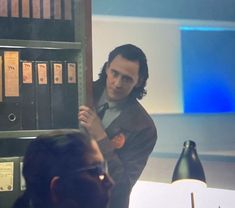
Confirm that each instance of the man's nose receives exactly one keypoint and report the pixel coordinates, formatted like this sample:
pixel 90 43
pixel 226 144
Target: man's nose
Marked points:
pixel 118 81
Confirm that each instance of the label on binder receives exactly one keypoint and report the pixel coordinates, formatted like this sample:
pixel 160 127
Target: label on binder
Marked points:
pixel 57 9
pixel 42 73
pixel 3 8
pixel 58 77
pixel 27 70
pixel 68 10
pixel 15 8
pixel 6 176
pixel 36 7
pixel 46 9
pixel 11 71
pixel 25 9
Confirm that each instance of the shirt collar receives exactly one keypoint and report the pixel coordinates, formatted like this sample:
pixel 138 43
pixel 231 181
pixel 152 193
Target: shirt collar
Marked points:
pixel 103 100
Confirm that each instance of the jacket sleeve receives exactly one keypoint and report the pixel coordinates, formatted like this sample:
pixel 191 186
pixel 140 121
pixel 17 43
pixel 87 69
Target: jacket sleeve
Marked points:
pixel 138 148
pixel 126 164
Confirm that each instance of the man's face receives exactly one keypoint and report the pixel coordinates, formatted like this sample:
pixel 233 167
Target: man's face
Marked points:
pixel 122 77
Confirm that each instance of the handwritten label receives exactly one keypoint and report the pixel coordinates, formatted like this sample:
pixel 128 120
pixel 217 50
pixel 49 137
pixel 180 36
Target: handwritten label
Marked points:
pixel 27 72
pixel 58 79
pixel 11 69
pixel 6 176
pixel 42 73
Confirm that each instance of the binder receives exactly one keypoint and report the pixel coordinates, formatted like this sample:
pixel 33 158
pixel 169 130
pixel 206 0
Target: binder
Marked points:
pixel 27 94
pixel 10 113
pixel 43 107
pixel 71 91
pixel 58 95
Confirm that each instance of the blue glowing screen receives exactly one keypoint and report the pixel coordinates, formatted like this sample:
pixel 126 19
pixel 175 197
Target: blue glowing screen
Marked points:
pixel 208 69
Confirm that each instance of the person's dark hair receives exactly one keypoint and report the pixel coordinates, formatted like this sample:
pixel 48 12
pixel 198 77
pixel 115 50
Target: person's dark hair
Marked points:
pixel 50 155
pixel 132 53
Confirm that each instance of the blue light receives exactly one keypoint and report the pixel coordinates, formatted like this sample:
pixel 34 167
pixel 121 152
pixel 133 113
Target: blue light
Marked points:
pixel 213 29
pixel 209 97
pixel 208 70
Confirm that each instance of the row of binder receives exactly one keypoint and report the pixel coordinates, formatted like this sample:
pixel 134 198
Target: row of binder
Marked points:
pixel 37 94
pixel 37 9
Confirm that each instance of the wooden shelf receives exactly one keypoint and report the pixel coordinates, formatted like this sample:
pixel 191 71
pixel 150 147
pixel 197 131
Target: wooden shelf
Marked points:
pixel 23 133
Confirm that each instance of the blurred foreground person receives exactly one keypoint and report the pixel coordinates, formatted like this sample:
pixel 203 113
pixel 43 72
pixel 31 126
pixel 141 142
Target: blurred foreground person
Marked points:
pixel 64 169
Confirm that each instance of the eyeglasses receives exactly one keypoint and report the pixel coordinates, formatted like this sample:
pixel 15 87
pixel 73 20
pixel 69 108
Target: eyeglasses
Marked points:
pixel 100 170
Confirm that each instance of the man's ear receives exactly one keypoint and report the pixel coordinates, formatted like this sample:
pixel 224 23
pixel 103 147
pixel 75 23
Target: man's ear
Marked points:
pixel 54 189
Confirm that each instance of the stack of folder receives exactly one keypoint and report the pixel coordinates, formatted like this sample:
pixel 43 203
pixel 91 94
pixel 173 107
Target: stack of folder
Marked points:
pixel 37 94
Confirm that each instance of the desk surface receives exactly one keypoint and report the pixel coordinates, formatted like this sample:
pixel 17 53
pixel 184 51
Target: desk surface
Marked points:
pixel 151 195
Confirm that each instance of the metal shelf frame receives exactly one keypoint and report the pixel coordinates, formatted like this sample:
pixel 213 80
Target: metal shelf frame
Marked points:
pixel 38 44
pixel 82 45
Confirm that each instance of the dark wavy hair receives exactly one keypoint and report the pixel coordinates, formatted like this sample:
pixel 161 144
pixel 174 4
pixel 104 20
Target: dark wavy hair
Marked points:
pixel 50 155
pixel 132 53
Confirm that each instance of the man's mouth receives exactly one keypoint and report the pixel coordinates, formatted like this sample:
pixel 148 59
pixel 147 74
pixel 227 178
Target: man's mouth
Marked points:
pixel 115 91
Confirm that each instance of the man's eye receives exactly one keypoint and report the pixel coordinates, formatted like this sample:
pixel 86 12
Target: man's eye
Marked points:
pixel 127 79
pixel 114 73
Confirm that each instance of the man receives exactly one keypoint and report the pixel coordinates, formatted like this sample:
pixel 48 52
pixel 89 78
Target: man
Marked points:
pixel 64 169
pixel 126 134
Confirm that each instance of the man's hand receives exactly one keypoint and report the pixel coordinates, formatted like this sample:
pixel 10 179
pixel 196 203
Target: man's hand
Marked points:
pixel 91 122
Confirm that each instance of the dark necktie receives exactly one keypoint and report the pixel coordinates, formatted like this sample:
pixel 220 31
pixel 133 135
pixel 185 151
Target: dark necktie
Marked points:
pixel 101 112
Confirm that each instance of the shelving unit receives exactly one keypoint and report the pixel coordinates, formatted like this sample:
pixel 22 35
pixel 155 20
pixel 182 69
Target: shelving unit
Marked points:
pixel 58 39
pixel 40 31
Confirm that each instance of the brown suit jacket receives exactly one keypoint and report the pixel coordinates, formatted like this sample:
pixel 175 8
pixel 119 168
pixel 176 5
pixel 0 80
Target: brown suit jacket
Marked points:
pixel 131 139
